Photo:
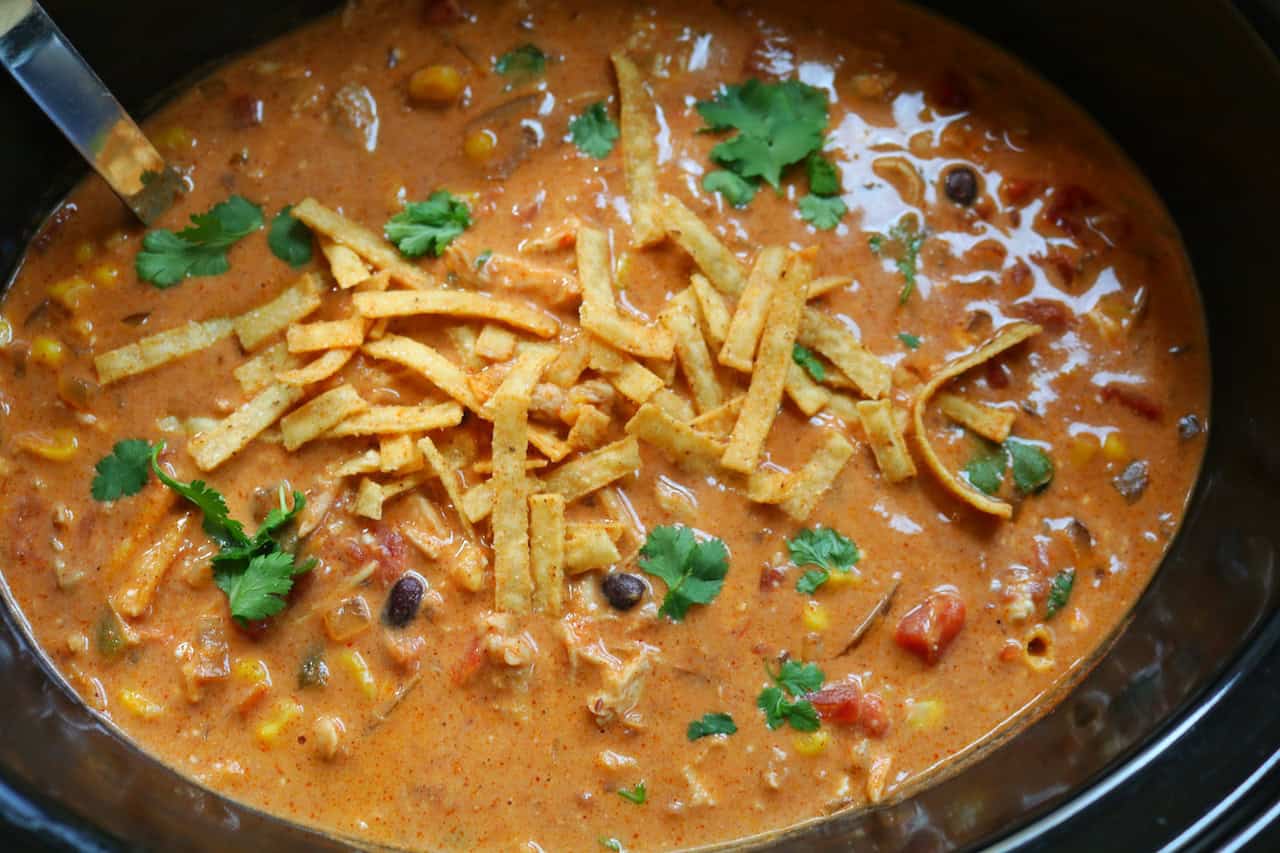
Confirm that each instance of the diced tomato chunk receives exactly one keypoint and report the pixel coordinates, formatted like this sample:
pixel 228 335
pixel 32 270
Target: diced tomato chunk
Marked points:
pixel 1133 400
pixel 874 715
pixel 465 668
pixel 844 703
pixel 1068 207
pixel 1053 315
pixel 929 628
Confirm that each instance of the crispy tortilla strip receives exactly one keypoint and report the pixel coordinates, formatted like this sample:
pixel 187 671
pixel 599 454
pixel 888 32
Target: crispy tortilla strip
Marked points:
pixel 594 470
pixel 485 466
pixel 718 422
pixel 255 327
pixel 625 519
pixel 422 359
pixel 368 462
pixel 809 396
pixel 317 370
pixel 631 379
pixel 319 414
pixel 521 378
pixel 767 485
pixel 154 350
pixel 715 260
pixel 987 421
pixel 769 377
pixel 1005 338
pixel 449 479
pixel 599 313
pixel 260 371
pixel 330 334
pixel 673 404
pixel 426 529
pixel 806 486
pixel 495 343
pixel 575 354
pixel 513 582
pixel 590 429
pixel 368 501
pixel 398 454
pixel 639 133
pixel 229 436
pixel 383 420
pixel 463 339
pixel 886 440
pixel 455 303
pixel 477 502
pixel 345 265
pixel 548 443
pixel 829 336
pixel 546 552
pixel 692 354
pixel 134 597
pixel 692 451
pixel 826 284
pixel 747 323
pixel 360 240
pixel 156 501
pixel 587 547
pixel 711 307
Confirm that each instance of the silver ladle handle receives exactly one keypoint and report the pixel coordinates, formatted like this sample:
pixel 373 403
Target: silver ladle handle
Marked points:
pixel 63 85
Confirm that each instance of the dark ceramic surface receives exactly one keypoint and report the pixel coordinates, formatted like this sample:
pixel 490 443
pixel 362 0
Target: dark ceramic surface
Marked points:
pixel 1172 742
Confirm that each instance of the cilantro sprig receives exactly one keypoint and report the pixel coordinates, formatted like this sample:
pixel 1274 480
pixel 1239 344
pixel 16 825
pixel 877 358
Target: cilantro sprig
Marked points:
pixel 254 572
pixel 693 571
pixel 909 340
pixel 778 124
pixel 905 239
pixel 122 472
pixel 201 248
pixel 797 680
pixel 594 132
pixel 428 226
pixel 1032 468
pixel 711 724
pixel 521 64
pixel 636 795
pixel 822 212
pixel 825 548
pixel 289 239
pixel 1059 592
pixel 812 365
pixel 737 190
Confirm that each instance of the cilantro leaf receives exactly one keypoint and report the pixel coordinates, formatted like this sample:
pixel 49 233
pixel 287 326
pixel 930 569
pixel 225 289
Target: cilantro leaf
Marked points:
pixel 200 249
pixel 711 724
pixel 799 678
pixel 693 571
pixel 804 357
pixel 823 177
pixel 985 471
pixel 801 714
pixel 483 258
pixel 289 239
pixel 910 239
pixel 258 591
pixel 909 340
pixel 522 63
pixel 122 472
pixel 811 580
pixel 636 795
pixel 594 132
pixel 876 243
pixel 218 523
pixel 823 547
pixel 822 212
pixel 1032 467
pixel 428 226
pixel 737 190
pixel 1059 593
pixel 778 124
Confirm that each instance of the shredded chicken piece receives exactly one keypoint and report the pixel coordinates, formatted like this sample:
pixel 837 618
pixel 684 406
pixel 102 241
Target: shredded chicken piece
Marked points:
pixel 505 643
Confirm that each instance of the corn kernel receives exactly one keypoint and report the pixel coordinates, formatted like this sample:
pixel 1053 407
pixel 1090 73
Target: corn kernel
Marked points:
pixel 269 731
pixel 1083 448
pixel 106 275
pixel 924 714
pixel 59 445
pixel 48 351
pixel 251 671
pixel 837 578
pixel 435 84
pixel 6 332
pixel 139 705
pixel 85 252
pixel 355 664
pixel 815 617
pixel 69 291
pixel 1114 448
pixel 479 146
pixel 812 744
pixel 175 138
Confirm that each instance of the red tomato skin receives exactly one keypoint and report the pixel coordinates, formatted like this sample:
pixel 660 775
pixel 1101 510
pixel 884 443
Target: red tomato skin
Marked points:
pixel 930 627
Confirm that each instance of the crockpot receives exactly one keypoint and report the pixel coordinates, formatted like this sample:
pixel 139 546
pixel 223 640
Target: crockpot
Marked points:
pixel 1171 742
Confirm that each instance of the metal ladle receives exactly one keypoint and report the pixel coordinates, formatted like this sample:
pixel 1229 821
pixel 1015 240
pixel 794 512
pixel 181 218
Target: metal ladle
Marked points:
pixel 63 85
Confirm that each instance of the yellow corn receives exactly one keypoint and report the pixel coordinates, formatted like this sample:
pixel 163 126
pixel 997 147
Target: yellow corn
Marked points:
pixel 251 671
pixel 479 146
pixel 58 445
pixel 1114 448
pixel 48 351
pixel 139 705
pixel 6 331
pixel 1083 448
pixel 815 616
pixel 69 291
pixel 435 84
pixel 924 714
pixel 838 578
pixel 175 138
pixel 85 252
pixel 269 730
pixel 812 744
pixel 355 664
pixel 106 275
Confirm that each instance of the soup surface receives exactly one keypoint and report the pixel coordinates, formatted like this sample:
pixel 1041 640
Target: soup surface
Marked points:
pixel 639 425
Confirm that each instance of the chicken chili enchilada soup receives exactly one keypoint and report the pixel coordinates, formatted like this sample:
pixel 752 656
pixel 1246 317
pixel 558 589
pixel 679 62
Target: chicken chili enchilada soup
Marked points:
pixel 553 424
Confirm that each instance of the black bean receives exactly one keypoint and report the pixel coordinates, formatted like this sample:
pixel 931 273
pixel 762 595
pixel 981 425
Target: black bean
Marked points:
pixel 404 600
pixel 624 591
pixel 961 185
pixel 1132 481
pixel 1189 427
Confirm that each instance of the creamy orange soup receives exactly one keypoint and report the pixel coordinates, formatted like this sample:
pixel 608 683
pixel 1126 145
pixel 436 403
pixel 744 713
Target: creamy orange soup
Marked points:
pixel 709 416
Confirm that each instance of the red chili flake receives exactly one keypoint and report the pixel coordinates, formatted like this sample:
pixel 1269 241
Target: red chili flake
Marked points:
pixel 929 628
pixel 1054 316
pixel 1133 400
